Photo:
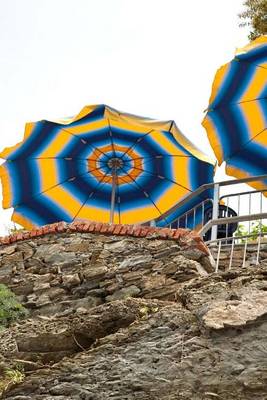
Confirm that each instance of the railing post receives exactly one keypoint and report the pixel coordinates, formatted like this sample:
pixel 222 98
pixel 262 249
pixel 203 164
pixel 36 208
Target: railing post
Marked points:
pixel 215 210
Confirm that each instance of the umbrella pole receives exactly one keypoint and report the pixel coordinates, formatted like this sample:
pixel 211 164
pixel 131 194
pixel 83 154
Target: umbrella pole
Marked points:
pixel 113 193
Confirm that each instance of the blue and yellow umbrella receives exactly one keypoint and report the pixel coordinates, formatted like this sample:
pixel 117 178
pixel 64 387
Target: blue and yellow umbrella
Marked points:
pixel 101 165
pixel 236 120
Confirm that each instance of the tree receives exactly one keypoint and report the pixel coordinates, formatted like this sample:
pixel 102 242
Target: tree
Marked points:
pixel 255 16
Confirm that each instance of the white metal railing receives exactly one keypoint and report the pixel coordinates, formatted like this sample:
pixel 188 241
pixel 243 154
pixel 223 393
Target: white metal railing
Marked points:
pixel 241 202
pixel 233 217
pixel 242 244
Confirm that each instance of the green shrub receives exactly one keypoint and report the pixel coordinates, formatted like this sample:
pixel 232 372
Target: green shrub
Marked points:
pixel 9 377
pixel 10 308
pixel 255 229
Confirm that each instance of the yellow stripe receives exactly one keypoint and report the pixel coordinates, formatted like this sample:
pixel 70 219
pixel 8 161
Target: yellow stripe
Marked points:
pixel 218 81
pixel 254 117
pixel 87 127
pixel 48 173
pixel 55 147
pixel 138 215
pixel 19 219
pixel 64 199
pixel 256 85
pixel 239 174
pixel 6 187
pixel 94 213
pixel 213 137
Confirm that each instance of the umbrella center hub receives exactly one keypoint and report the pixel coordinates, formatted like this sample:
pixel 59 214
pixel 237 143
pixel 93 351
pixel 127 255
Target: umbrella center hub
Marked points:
pixel 115 163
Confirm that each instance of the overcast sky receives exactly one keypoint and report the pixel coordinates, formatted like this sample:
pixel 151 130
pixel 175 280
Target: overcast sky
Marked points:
pixel 155 58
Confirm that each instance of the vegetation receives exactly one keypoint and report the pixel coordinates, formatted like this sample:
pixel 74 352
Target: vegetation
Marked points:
pixel 255 16
pixel 10 308
pixel 10 376
pixel 256 228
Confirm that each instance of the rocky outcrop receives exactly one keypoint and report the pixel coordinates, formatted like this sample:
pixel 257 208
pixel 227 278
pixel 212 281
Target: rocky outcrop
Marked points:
pixel 165 326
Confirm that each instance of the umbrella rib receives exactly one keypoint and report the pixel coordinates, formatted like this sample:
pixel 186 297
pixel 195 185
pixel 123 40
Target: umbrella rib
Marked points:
pixel 248 62
pixel 58 184
pixel 244 145
pixel 111 139
pixel 145 193
pixel 60 158
pixel 233 103
pixel 171 125
pixel 164 177
pixel 160 156
pixel 83 141
pixel 90 196
pixel 138 140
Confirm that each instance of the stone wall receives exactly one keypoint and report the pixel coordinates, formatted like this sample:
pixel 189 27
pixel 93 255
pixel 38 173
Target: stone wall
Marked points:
pixel 61 267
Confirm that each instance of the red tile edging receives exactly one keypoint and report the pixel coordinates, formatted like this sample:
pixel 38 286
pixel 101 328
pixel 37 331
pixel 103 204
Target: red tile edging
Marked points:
pixel 184 236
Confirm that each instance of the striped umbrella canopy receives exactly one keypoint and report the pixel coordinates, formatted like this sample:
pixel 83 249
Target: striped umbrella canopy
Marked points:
pixel 101 165
pixel 236 119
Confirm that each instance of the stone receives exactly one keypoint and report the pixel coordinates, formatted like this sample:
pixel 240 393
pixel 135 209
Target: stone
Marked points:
pixel 124 293
pixel 13 258
pixel 55 293
pixel 80 246
pixel 135 261
pixel 153 282
pixel 71 280
pixel 93 272
pixel 63 258
pixel 27 250
pixel 236 313
pixel 119 245
pixel 7 250
pixel 42 300
pixel 86 302
pixel 5 273
pixel 38 286
pixel 24 288
pixel 45 250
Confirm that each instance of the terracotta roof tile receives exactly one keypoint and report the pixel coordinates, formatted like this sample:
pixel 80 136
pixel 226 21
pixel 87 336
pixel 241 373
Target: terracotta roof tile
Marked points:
pixel 184 236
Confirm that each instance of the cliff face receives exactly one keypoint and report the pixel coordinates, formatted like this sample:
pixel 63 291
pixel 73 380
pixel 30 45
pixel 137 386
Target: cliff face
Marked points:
pixel 127 317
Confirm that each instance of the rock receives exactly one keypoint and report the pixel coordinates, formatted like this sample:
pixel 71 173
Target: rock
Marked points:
pixel 235 313
pixel 63 258
pixel 124 293
pixel 24 288
pixel 13 258
pixel 5 273
pixel 120 245
pixel 46 250
pixel 42 300
pixel 38 286
pixel 71 280
pixel 86 302
pixel 135 261
pixel 152 282
pixel 55 293
pixel 7 250
pixel 94 272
